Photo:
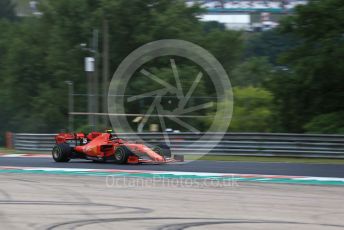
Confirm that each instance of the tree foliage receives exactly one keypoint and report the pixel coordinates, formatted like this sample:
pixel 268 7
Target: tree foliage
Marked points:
pixel 287 80
pixel 40 53
pixel 7 10
pixel 326 123
pixel 252 110
pixel 252 72
pixel 314 83
pixel 270 44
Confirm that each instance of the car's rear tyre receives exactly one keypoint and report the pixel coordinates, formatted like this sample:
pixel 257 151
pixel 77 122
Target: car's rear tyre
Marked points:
pixel 121 155
pixel 163 150
pixel 62 152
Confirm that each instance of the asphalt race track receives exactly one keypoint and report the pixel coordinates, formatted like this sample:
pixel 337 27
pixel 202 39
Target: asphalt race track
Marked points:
pixel 59 202
pixel 317 170
pixel 37 193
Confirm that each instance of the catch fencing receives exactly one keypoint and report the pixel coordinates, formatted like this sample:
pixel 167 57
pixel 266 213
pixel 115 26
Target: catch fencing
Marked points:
pixel 252 144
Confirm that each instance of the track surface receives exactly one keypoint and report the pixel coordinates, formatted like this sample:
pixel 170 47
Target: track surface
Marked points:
pixel 292 169
pixel 48 202
pixel 56 202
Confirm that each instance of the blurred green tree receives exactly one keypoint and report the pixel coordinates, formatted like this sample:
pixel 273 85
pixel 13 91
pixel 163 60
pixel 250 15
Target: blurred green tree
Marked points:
pixel 252 72
pixel 270 44
pixel 326 123
pixel 313 84
pixel 39 53
pixel 252 110
pixel 7 10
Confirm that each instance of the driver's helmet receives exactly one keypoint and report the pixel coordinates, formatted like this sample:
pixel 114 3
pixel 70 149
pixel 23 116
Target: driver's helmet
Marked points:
pixel 110 131
pixel 113 136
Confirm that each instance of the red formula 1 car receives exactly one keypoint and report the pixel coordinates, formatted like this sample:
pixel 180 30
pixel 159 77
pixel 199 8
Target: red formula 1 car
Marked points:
pixel 102 147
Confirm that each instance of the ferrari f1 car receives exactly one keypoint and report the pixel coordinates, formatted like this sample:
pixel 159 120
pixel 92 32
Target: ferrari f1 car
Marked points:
pixel 102 147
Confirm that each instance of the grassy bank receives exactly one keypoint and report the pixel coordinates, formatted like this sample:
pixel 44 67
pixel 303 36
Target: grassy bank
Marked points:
pixel 267 159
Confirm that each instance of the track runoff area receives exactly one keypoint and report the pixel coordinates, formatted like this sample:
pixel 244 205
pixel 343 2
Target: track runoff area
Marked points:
pixel 37 193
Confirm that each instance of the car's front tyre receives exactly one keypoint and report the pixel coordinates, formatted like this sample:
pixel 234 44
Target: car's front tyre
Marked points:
pixel 163 150
pixel 121 155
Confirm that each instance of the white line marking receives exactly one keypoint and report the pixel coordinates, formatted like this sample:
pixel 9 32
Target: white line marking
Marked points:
pixel 200 174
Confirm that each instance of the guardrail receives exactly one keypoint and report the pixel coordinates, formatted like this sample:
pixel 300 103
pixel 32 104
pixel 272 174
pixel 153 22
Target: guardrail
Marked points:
pixel 253 144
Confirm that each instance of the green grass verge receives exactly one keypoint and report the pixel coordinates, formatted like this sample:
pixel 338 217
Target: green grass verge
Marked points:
pixel 4 150
pixel 266 159
pixel 13 151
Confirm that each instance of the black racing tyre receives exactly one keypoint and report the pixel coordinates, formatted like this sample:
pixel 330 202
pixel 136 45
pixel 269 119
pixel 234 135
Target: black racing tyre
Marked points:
pixel 163 150
pixel 121 155
pixel 62 152
pixel 158 150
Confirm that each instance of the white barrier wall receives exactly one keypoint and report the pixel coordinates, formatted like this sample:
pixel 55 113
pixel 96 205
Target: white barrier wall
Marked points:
pixel 231 21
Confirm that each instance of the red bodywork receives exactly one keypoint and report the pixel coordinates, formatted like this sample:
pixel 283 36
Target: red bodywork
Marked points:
pixel 103 146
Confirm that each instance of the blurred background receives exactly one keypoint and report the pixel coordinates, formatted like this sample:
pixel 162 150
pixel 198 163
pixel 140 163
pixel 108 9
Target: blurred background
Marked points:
pixel 285 60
